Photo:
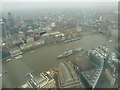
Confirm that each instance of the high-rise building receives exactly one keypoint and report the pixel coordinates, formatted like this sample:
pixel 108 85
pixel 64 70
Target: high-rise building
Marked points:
pixel 3 27
pixel 91 77
pixel 10 20
pixel 0 29
pixel 111 71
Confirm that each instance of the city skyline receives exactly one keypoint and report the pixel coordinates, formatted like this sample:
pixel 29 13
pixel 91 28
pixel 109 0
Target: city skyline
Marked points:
pixel 59 45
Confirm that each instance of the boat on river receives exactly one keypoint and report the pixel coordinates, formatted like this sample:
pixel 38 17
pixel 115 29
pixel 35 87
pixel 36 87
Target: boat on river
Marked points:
pixel 32 51
pixel 3 73
pixel 8 60
pixel 69 52
pixel 18 57
pixel 75 39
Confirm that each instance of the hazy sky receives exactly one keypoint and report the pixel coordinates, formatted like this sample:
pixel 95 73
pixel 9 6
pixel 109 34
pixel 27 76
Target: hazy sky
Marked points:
pixel 12 6
pixel 60 0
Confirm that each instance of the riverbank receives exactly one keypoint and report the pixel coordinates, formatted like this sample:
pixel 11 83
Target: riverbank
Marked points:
pixel 46 57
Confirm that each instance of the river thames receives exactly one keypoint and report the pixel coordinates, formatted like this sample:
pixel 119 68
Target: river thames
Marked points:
pixel 46 57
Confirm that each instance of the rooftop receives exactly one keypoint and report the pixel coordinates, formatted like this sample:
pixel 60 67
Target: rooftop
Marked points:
pixel 92 76
pixel 67 75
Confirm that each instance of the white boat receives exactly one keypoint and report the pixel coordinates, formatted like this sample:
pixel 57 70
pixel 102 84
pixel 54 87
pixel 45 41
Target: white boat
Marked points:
pixel 32 51
pixel 18 57
pixel 110 41
pixel 2 74
pixel 8 60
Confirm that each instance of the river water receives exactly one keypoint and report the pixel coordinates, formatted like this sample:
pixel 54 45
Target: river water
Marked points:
pixel 45 57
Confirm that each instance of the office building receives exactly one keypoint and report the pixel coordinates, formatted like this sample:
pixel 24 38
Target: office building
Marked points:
pixel 15 51
pixel 91 77
pixel 42 81
pixel 67 76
